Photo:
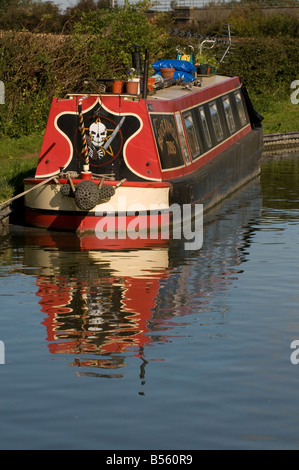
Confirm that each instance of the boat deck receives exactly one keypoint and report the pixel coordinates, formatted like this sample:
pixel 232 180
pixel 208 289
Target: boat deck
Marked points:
pixel 177 91
pixel 170 90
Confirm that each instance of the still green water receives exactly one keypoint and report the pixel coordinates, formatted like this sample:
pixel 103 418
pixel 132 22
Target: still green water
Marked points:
pixel 157 348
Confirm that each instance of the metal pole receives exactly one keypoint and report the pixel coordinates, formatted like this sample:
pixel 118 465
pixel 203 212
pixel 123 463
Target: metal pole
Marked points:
pixel 145 74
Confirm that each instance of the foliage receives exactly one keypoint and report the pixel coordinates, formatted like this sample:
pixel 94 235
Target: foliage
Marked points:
pixel 113 33
pixel 29 15
pixel 267 66
pixel 251 21
pixel 34 68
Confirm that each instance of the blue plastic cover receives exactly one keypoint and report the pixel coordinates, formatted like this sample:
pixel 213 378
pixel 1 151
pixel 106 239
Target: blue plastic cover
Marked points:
pixel 179 75
pixel 184 76
pixel 180 65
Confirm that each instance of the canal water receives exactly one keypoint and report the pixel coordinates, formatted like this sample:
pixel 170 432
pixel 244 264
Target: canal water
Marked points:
pixel 160 348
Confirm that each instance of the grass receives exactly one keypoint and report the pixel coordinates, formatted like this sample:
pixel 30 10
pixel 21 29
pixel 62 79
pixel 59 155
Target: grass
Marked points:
pixel 12 173
pixel 279 115
pixel 11 148
pixel 18 159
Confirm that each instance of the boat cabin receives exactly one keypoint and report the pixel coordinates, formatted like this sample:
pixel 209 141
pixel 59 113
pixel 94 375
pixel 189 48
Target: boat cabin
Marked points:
pixel 171 133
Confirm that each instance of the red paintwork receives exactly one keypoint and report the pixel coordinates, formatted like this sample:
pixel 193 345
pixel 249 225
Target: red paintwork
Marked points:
pixel 140 152
pixel 55 301
pixel 126 184
pixel 86 223
pixel 55 152
pixel 193 99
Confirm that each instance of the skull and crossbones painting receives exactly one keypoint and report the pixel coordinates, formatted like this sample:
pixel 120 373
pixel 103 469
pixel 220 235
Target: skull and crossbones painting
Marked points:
pixel 98 136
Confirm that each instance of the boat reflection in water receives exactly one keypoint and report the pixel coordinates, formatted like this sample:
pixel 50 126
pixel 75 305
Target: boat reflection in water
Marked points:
pixel 102 305
pixel 97 303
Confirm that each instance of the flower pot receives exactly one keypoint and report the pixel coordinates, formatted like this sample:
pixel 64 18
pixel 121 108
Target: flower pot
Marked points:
pixel 117 86
pixel 167 73
pixel 150 83
pixel 202 69
pixel 132 86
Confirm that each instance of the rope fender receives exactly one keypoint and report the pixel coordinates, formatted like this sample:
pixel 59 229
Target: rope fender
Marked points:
pixel 88 194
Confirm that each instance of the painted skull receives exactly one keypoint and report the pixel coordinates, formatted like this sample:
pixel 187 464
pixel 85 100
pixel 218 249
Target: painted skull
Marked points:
pixel 98 133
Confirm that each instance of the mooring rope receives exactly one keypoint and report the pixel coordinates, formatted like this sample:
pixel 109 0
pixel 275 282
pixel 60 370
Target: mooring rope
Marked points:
pixel 82 130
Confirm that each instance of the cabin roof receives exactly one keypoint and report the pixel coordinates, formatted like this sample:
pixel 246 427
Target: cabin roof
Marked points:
pixel 178 91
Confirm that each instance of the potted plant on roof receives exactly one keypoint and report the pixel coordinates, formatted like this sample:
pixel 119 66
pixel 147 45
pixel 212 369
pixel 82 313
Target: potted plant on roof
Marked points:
pixel 117 85
pixel 133 82
pixel 205 64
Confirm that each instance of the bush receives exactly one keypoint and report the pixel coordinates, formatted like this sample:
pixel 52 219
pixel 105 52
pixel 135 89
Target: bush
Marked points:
pixel 252 21
pixel 112 33
pixel 267 66
pixel 36 67
pixel 27 15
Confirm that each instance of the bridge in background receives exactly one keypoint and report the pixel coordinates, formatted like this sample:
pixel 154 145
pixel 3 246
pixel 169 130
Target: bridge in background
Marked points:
pixel 191 12
pixel 167 5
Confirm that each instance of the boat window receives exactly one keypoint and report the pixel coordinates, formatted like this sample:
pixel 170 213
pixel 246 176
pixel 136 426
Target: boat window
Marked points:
pixel 205 127
pixel 229 114
pixel 240 107
pixel 182 137
pixel 216 121
pixel 167 141
pixel 191 134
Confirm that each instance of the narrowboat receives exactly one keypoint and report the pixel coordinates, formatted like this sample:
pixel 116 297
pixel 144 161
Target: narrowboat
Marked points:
pixel 118 162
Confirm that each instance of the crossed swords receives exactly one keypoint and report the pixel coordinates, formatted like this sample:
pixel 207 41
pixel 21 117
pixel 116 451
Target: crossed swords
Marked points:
pixel 111 138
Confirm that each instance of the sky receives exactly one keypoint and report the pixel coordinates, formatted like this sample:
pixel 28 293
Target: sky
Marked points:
pixel 63 4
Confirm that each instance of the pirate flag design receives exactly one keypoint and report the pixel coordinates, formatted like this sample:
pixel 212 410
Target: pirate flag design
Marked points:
pixel 105 136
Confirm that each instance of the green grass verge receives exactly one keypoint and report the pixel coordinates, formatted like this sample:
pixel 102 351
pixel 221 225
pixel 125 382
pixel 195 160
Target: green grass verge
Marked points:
pixel 18 159
pixel 11 148
pixel 280 115
pixel 12 173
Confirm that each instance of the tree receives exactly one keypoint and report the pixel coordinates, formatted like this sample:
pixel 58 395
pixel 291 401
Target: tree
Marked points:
pixel 88 5
pixel 30 15
pixel 112 33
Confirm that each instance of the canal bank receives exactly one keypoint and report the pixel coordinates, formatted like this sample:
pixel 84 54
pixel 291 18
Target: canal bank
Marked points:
pixel 281 142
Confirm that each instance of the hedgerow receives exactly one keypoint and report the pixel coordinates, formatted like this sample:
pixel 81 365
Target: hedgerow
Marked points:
pixel 35 67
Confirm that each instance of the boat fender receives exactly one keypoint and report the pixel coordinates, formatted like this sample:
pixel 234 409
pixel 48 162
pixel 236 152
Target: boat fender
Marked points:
pixel 66 190
pixel 106 192
pixel 86 195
